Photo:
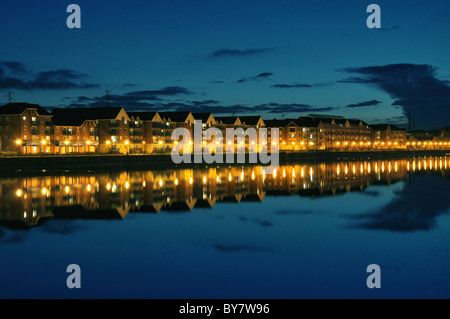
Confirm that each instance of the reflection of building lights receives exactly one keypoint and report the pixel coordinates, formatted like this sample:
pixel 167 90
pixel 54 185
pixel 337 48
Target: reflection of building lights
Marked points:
pixel 44 191
pixel 144 184
pixel 191 181
pixel 108 142
pixel 19 193
pixel 108 187
pixel 88 188
pixel 229 177
pixel 127 142
pixel 67 189
pixel 127 185
pixel 161 183
pixel 204 179
pixel 176 181
pixel 253 175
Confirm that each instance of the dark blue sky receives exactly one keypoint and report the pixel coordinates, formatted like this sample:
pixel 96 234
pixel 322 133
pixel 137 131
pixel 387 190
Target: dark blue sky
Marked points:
pixel 282 58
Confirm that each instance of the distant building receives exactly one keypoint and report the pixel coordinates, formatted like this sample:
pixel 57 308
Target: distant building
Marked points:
pixel 387 136
pixel 25 129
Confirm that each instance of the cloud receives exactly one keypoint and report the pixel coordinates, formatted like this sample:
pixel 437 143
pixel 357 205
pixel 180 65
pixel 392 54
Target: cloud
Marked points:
pixel 416 88
pixel 416 207
pixel 15 75
pixel 264 223
pixel 240 53
pixel 363 104
pixel 134 100
pixel 291 86
pixel 292 212
pixel 261 76
pixel 292 107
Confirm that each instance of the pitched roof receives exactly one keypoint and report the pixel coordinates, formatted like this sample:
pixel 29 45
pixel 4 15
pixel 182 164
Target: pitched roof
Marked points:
pixel 19 108
pixel 380 127
pixel 76 116
pixel 250 120
pixel 202 116
pixel 396 128
pixel 179 117
pixel 144 116
pixel 278 123
pixel 307 122
pixel 227 119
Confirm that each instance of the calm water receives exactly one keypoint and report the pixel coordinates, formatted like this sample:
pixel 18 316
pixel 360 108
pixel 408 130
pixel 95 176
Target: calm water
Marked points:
pixel 307 231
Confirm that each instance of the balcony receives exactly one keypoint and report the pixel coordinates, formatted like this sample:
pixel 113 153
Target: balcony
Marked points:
pixel 93 133
pixel 35 123
pixel 66 132
pixel 157 133
pixel 136 133
pixel 114 124
pixel 48 123
pixel 114 132
pixel 134 125
pixel 160 125
pixel 49 132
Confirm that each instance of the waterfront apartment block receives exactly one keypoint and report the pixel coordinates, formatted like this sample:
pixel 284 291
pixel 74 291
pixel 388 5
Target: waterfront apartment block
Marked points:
pixel 30 129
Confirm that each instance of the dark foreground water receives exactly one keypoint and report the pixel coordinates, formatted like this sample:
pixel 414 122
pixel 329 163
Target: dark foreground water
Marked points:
pixel 304 231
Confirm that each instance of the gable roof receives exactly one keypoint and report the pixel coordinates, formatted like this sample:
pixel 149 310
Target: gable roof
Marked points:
pixel 227 119
pixel 380 127
pixel 203 116
pixel 307 122
pixel 179 117
pixel 250 120
pixel 19 108
pixel 143 116
pixel 278 123
pixel 76 116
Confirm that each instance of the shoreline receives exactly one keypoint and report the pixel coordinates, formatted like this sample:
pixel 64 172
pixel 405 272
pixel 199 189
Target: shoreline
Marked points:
pixel 57 164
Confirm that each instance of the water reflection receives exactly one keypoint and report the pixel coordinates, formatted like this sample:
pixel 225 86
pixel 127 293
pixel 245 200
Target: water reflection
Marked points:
pixel 30 202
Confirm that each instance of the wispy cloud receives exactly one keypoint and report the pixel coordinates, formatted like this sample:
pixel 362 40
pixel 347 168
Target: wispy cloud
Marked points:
pixel 15 75
pixel 240 53
pixel 364 104
pixel 259 77
pixel 292 86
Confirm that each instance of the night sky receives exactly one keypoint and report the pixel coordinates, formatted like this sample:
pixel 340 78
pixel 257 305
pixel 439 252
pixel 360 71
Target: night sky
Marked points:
pixel 275 58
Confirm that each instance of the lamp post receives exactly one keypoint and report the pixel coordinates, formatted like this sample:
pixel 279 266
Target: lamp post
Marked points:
pixel 127 148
